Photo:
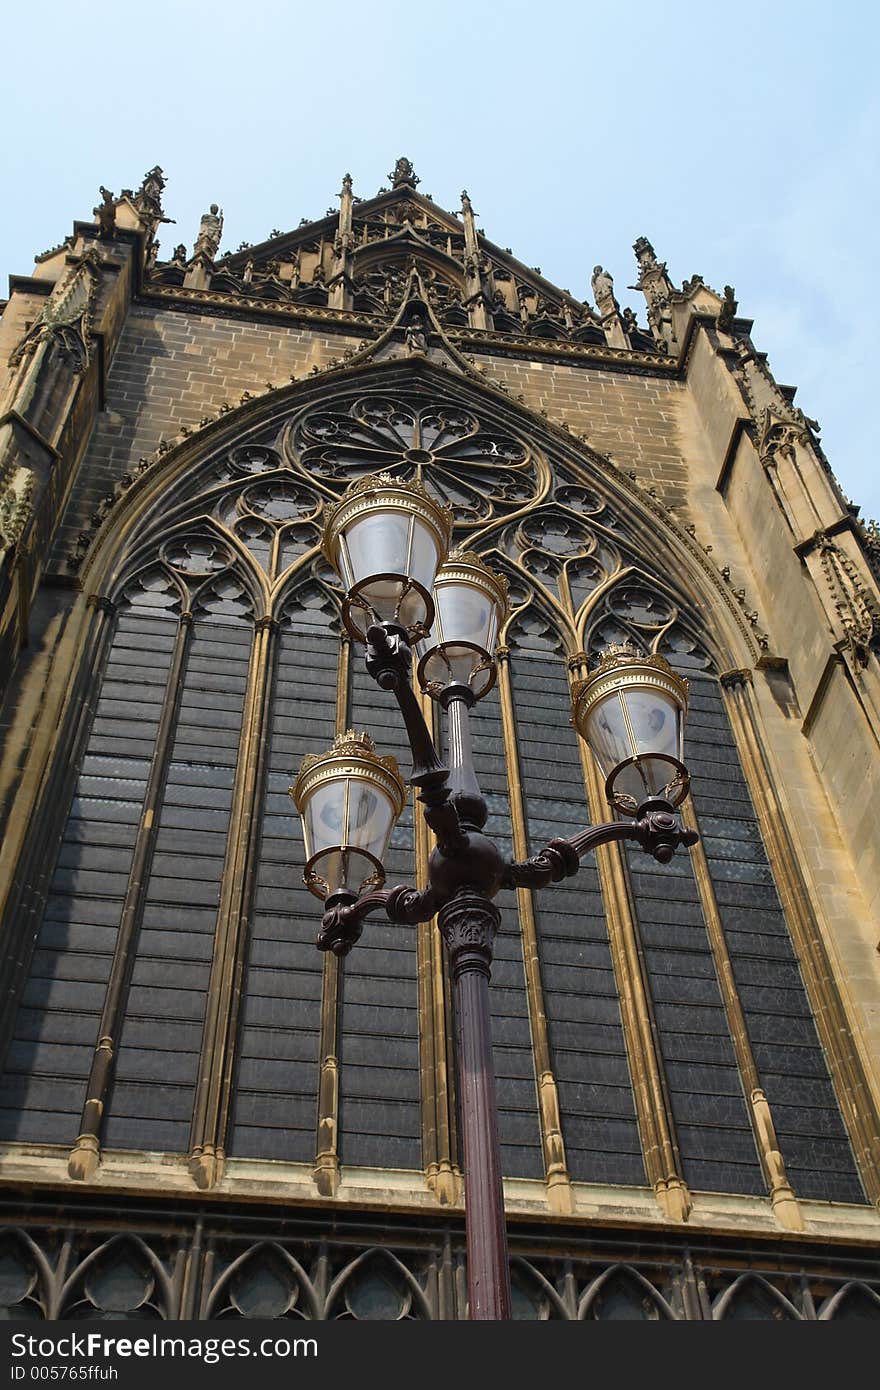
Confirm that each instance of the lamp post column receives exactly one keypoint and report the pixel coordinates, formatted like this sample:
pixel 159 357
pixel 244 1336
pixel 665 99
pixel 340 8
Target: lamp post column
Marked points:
pixel 468 923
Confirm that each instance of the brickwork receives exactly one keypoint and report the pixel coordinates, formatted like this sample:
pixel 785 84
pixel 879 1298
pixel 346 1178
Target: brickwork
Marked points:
pixel 637 421
pixel 170 370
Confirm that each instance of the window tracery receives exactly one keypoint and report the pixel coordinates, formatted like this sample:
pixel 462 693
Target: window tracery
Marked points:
pixel 480 471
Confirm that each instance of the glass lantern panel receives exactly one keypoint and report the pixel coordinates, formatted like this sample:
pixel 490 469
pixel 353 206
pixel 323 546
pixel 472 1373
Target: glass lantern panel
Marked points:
pixel 370 818
pixel 378 543
pixel 425 557
pixel 465 614
pixel 607 733
pixel 345 868
pixel 322 818
pixel 655 723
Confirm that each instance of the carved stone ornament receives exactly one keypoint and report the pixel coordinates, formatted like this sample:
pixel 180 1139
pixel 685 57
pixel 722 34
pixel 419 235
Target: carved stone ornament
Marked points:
pixel 66 317
pixel 404 175
pixel 856 608
pixel 15 506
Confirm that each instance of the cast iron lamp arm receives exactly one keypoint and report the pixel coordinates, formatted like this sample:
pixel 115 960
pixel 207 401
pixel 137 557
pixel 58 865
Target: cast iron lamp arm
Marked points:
pixel 657 830
pixel 388 660
pixel 343 921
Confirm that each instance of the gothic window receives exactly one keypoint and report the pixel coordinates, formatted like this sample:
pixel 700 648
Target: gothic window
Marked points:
pixel 586 1039
pixel 174 921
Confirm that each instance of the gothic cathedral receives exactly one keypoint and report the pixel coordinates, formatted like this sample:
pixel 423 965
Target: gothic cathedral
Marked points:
pixel 201 1115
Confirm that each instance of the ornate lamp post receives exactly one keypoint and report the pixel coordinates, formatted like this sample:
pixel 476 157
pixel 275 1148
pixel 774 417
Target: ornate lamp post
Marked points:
pixel 390 542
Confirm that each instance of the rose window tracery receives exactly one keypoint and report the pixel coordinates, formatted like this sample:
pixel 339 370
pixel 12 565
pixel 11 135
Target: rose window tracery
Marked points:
pixel 476 469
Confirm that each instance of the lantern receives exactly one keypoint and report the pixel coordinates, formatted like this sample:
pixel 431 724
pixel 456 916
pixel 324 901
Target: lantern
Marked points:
pixel 349 799
pixel 470 602
pixel 386 539
pixel 631 711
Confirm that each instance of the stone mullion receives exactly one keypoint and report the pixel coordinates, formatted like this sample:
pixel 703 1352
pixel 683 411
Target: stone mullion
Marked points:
pixel 85 1156
pixel 556 1174
pixel 782 1197
pixel 856 1102
pixel 439 1136
pixel 216 1063
pixel 656 1124
pixel 326 1169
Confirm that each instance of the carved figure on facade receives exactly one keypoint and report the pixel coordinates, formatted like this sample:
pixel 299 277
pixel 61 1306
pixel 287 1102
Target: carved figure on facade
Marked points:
pixel 148 199
pixel 603 291
pixel 728 310
pixel 630 322
pixel 210 231
pixel 403 174
pixel 416 336
pixel 105 214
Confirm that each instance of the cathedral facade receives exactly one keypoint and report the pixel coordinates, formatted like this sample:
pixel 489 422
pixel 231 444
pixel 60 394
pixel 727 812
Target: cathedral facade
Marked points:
pixel 201 1116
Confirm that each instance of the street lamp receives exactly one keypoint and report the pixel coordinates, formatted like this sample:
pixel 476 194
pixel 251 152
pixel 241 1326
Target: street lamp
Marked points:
pixel 390 542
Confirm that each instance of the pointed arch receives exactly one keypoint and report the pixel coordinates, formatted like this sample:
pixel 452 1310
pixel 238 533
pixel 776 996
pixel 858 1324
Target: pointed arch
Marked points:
pixel 855 1300
pixel 126 1249
pixel 637 1291
pixel 263 1249
pixel 26 1282
pixel 381 1260
pixel 652 530
pixel 752 1296
pixel 532 1281
pixel 636 606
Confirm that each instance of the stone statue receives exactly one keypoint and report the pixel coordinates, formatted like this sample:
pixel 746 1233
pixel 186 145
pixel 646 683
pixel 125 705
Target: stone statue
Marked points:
pixel 148 201
pixel 210 232
pixel 728 309
pixel 416 336
pixel 603 291
pixel 179 257
pixel 630 321
pixel 105 212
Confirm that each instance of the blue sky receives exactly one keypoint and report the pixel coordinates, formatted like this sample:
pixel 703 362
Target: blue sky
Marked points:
pixel 742 140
